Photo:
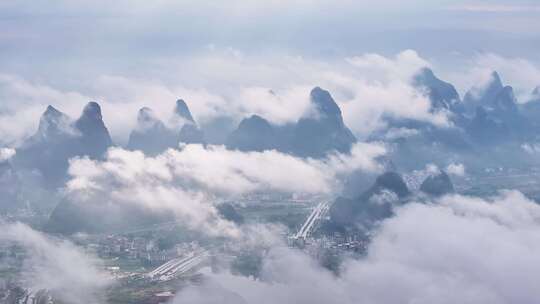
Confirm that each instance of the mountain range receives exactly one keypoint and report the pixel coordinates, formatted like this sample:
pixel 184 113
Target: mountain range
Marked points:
pixel 60 138
pixel 377 202
pixel 152 136
pixel 317 133
pixel 487 117
pixel 487 121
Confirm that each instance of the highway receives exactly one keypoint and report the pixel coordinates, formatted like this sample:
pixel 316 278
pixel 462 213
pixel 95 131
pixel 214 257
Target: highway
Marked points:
pixel 179 266
pixel 311 222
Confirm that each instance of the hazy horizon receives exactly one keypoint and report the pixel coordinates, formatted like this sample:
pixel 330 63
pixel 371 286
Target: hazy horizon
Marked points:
pixel 269 151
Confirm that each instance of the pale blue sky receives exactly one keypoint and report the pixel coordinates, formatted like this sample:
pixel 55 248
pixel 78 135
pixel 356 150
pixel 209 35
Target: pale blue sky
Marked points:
pixel 44 33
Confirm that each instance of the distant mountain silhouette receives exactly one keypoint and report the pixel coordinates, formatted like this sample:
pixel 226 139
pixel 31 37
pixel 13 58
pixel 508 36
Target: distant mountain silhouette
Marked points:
pixel 95 138
pixel 190 133
pixel 377 202
pixel 489 120
pixel 483 96
pixel 59 138
pixel 437 184
pixel 183 111
pixel 151 135
pixel 53 125
pixel 372 205
pixel 444 100
pixel 497 117
pixel 317 133
pixel 325 131
pixel 254 134
pixel 443 95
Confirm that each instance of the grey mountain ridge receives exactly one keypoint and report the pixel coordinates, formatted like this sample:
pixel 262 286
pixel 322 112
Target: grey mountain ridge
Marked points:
pixel 59 138
pixel 374 204
pixel 254 134
pixel 497 118
pixel 377 202
pixel 483 96
pixel 493 122
pixel 152 136
pixel 190 133
pixel 320 131
pixel 443 95
pixel 313 135
pixel 183 111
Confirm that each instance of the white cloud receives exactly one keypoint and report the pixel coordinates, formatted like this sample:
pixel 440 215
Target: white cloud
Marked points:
pixel 520 73
pixel 382 86
pixel 240 99
pixel 277 87
pixel 23 102
pixel 395 133
pixel 279 109
pixel 188 181
pixel 460 250
pixel 415 178
pixel 363 156
pixel 6 154
pixel 380 68
pixel 456 169
pixel 432 169
pixel 56 265
pixel 213 168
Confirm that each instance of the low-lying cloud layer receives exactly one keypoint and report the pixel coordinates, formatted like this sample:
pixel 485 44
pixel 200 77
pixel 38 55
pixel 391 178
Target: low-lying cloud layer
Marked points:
pixel 458 250
pixel 189 181
pixel 56 265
